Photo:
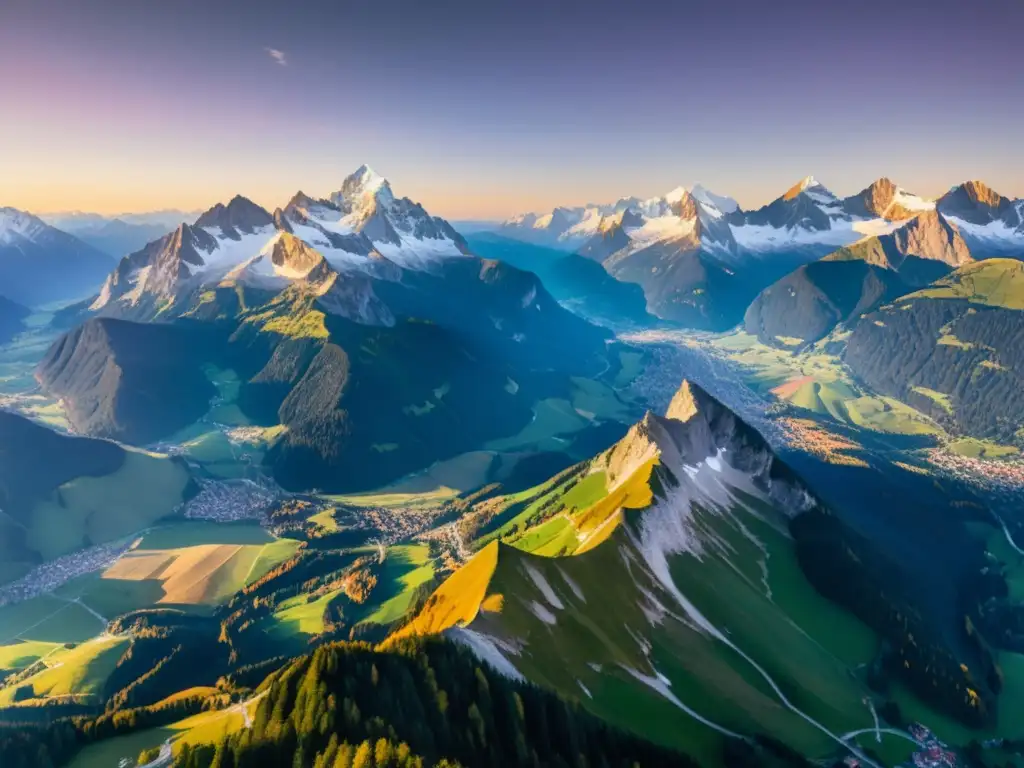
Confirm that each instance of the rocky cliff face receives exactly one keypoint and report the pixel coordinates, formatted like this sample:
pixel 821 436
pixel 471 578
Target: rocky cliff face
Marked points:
pixel 928 236
pixel 240 216
pixel 698 430
pixel 884 200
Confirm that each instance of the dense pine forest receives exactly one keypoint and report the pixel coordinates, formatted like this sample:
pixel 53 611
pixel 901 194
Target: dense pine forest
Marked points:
pixel 422 704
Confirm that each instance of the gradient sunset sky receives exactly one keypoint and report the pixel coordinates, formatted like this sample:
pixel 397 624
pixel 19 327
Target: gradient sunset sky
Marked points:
pixel 485 108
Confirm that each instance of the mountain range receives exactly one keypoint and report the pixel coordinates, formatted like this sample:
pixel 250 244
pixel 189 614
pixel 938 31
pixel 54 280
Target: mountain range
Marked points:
pixel 701 260
pixel 40 264
pixel 361 326
pixel 122 233
pixel 332 484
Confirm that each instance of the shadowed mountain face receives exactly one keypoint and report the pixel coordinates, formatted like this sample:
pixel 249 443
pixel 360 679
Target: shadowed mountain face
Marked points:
pixel 42 474
pixel 127 381
pixel 577 282
pixel 12 317
pixel 810 302
pixel 24 479
pixel 40 264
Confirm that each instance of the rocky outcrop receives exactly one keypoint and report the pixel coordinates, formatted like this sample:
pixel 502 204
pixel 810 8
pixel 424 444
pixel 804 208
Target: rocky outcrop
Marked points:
pixel 929 236
pixel 697 429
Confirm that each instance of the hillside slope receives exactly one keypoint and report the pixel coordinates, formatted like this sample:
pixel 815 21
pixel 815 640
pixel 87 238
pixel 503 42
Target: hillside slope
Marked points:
pixel 952 350
pixel 810 302
pixel 85 492
pixel 12 319
pixel 575 281
pixel 40 264
pixel 663 586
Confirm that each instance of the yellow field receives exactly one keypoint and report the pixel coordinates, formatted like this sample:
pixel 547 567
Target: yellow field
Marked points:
pixel 193 576
pixel 201 573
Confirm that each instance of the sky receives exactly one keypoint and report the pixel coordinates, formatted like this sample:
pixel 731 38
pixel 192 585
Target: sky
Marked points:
pixel 486 108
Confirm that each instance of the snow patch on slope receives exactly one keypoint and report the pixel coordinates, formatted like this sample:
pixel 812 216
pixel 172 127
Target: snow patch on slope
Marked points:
pixel 488 649
pixel 542 584
pixel 912 202
pixel 15 225
pixel 995 231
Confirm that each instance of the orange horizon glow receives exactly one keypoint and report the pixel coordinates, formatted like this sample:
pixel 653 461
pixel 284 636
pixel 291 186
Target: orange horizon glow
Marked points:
pixel 445 200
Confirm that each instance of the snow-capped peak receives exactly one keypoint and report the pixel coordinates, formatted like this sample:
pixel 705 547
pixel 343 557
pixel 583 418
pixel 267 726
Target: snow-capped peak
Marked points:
pixel 366 182
pixel 813 188
pixel 16 224
pixel 676 195
pixel 708 198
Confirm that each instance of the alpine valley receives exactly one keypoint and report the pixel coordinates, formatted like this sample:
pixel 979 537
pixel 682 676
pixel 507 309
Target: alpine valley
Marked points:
pixel 662 482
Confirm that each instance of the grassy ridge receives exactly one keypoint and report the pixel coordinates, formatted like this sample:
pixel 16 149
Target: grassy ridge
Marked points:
pixel 992 282
pixel 78 673
pixel 595 625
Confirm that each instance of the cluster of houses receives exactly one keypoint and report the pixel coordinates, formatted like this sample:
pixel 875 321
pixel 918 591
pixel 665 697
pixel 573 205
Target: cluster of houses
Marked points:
pixel 931 752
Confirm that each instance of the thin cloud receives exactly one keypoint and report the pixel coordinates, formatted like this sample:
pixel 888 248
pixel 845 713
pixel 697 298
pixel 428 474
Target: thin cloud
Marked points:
pixel 278 56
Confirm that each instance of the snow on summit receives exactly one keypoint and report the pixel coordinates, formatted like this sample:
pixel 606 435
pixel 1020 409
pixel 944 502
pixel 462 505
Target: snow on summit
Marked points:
pixel 360 227
pixel 15 224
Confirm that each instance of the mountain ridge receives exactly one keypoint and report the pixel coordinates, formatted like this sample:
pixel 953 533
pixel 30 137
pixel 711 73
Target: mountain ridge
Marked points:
pixel 40 264
pixel 671 566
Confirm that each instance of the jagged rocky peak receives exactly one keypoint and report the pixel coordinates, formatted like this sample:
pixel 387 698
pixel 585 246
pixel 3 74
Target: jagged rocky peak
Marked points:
pixel 878 196
pixel 681 437
pixel 187 242
pixel 294 256
pixel 808 185
pixel 931 236
pixel 281 221
pixel 975 202
pixel 624 219
pixel 364 182
pixel 682 203
pixel 885 199
pixel 240 215
pixel 302 206
pixel 686 402
pixel 697 428
pixel 723 203
pixel 980 193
